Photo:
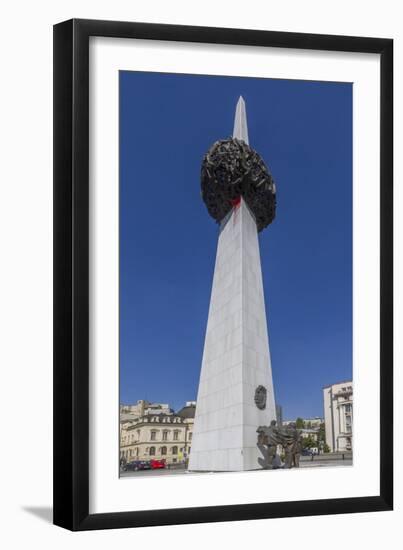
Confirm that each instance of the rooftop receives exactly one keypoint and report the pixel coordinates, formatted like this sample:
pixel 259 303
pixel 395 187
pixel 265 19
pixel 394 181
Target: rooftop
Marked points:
pixel 187 412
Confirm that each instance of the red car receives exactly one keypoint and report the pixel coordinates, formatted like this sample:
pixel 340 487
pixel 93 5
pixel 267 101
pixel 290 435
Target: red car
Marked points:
pixel 155 463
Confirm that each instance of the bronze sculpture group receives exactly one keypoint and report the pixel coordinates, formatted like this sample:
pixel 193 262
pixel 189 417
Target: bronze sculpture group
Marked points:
pixel 270 437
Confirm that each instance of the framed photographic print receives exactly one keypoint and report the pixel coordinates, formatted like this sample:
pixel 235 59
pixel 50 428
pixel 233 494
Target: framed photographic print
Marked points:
pixel 223 321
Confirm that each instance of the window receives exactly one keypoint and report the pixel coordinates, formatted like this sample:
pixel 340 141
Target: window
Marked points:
pixel 163 450
pixel 190 436
pixel 153 435
pixel 152 451
pixel 174 450
pixel 176 435
pixel 189 449
pixel 165 436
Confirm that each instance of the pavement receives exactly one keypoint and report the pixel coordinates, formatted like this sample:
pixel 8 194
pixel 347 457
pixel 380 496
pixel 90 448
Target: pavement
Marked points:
pixel 152 473
pixel 325 460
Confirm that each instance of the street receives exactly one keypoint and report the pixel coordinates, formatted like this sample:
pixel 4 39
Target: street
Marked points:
pixel 159 472
pixel 327 459
pixel 324 460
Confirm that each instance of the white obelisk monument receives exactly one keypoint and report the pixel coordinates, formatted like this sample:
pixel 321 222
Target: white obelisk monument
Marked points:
pixel 236 359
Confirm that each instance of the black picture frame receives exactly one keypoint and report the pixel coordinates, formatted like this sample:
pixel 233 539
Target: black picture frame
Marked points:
pixel 71 274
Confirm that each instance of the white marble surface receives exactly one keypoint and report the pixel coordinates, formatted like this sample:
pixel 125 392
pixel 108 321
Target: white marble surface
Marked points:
pixel 240 122
pixel 236 356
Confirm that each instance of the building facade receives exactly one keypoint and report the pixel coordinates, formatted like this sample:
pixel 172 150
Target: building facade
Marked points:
pixel 142 408
pixel 279 414
pixel 311 433
pixel 309 423
pixel 161 436
pixel 338 409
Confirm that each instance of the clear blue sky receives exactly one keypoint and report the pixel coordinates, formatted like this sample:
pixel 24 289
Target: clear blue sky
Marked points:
pixel 303 130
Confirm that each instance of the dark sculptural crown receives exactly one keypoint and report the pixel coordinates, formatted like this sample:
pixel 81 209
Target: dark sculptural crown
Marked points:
pixel 232 169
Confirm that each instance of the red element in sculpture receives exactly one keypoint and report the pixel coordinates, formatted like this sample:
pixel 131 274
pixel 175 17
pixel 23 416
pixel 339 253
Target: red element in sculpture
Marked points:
pixel 236 202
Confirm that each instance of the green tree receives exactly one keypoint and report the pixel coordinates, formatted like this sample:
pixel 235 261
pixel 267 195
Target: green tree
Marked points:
pixel 322 438
pixel 309 442
pixel 300 424
pixel 321 434
pixel 326 448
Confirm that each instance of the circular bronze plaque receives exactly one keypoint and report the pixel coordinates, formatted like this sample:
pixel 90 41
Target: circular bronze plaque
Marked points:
pixel 260 397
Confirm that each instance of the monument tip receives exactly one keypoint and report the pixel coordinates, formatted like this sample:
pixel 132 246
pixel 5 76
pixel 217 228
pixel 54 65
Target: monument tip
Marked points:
pixel 240 122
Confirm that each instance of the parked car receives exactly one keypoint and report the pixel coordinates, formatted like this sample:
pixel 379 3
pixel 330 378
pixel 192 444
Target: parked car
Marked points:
pixel 136 465
pixel 155 463
pixel 306 452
